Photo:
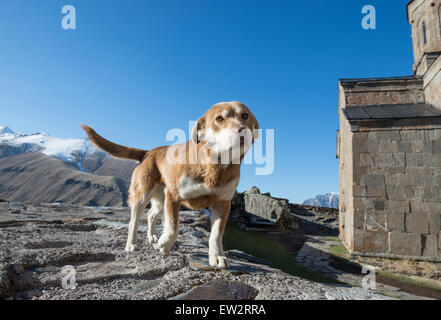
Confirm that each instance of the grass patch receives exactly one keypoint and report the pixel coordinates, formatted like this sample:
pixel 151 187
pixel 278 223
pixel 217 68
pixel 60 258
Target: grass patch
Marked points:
pixel 333 238
pixel 339 251
pixel 411 281
pixel 267 247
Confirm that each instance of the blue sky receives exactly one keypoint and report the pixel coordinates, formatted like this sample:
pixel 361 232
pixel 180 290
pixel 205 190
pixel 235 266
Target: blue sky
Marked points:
pixel 135 69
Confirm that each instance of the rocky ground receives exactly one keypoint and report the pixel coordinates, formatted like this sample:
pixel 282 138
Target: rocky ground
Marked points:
pixel 69 252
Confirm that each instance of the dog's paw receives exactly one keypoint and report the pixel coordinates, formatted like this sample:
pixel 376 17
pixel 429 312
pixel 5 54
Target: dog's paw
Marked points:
pixel 132 247
pixel 153 238
pixel 218 261
pixel 162 249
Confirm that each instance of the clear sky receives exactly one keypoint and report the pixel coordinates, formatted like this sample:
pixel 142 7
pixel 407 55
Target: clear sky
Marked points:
pixel 133 70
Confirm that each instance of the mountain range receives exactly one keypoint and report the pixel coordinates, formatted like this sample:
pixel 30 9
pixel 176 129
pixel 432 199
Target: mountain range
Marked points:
pixel 40 168
pixel 329 200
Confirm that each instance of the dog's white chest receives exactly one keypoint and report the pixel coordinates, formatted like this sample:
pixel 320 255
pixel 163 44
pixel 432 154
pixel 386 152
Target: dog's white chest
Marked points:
pixel 190 189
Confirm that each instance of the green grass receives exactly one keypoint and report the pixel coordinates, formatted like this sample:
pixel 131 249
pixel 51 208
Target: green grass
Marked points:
pixel 267 247
pixel 333 238
pixel 414 282
pixel 340 251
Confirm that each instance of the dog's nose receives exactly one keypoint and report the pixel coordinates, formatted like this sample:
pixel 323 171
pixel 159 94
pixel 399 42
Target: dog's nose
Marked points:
pixel 239 130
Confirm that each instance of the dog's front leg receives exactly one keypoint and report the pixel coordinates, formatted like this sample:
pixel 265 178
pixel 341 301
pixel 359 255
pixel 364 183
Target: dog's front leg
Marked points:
pixel 219 216
pixel 171 224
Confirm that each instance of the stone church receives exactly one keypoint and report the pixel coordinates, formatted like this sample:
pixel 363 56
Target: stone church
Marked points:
pixel 389 151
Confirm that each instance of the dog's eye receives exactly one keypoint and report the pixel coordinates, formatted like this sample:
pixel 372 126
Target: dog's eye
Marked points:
pixel 245 116
pixel 220 119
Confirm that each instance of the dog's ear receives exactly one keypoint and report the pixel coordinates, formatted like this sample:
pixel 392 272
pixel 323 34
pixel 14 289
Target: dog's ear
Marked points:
pixel 198 131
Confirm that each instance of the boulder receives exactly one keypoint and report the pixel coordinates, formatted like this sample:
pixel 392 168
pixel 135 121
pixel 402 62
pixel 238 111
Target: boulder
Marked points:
pixel 276 210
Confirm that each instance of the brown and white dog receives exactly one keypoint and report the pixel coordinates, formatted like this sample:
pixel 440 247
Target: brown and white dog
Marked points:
pixel 194 174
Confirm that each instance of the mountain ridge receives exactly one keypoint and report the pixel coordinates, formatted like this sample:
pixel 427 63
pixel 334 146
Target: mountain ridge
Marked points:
pixel 328 200
pixel 41 168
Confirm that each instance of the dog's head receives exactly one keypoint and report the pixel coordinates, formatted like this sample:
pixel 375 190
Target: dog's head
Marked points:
pixel 226 126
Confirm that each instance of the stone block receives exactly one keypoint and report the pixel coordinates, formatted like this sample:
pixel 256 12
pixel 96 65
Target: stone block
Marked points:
pixel 405 146
pixel 391 179
pixel 363 204
pixel 379 205
pixel 390 160
pixel 408 179
pixel 426 160
pixel 388 146
pixel 358 219
pixel 437 160
pixel 412 159
pixel 425 206
pixel 375 221
pixel 396 221
pixel 370 241
pixel 430 246
pixel 408 244
pixel 376 192
pixel 421 146
pixel 359 191
pixel 434 223
pixel 372 145
pixel 372 180
pixel 409 135
pixel 365 160
pixel 397 206
pixel 395 193
pixel 417 223
pixel 436 146
pixel 413 193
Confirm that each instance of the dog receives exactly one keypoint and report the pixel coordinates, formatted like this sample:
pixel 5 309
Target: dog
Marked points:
pixel 202 173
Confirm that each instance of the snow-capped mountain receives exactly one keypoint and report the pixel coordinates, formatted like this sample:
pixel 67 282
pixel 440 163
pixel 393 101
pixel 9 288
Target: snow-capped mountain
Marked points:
pixel 4 129
pixel 75 151
pixel 329 200
pixel 42 168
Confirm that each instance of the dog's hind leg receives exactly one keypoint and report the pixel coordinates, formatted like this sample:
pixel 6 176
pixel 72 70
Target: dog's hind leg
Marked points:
pixel 138 203
pixel 171 224
pixel 156 210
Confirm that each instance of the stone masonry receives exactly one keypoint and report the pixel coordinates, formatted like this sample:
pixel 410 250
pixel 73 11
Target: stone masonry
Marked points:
pixel 389 149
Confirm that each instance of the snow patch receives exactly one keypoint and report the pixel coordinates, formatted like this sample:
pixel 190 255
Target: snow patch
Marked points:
pixel 69 150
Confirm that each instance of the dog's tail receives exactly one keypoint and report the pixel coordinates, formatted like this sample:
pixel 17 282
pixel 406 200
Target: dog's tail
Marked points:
pixel 114 149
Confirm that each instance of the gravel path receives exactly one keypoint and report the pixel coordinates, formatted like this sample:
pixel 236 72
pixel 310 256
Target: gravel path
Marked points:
pixel 42 247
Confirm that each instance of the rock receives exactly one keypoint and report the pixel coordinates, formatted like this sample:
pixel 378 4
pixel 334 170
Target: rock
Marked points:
pixel 220 290
pixel 276 210
pixel 253 190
